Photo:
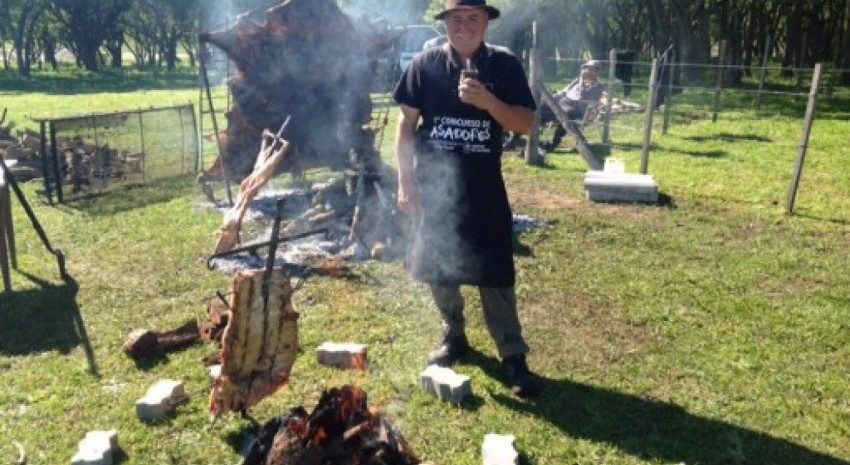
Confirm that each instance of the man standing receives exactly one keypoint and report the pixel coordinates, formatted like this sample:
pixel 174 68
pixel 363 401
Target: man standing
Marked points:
pixel 456 100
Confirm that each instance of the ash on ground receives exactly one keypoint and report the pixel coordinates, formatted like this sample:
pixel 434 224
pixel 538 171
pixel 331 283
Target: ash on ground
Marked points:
pixel 329 207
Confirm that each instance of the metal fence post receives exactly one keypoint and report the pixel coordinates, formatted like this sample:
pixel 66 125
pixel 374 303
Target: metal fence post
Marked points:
pixel 612 75
pixel 764 61
pixel 650 109
pixel 804 141
pixel 719 88
pixel 57 173
pixel 531 156
pixel 668 101
pixel 45 167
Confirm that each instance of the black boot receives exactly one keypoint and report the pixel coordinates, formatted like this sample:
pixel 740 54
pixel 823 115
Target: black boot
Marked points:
pixel 520 379
pixel 450 351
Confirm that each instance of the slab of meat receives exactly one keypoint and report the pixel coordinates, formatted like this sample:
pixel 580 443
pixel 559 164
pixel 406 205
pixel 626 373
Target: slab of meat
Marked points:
pixel 271 154
pixel 259 344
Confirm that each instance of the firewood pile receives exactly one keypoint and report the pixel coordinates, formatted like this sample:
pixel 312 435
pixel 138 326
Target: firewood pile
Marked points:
pixel 341 430
pixel 24 148
pixel 80 162
pixel 308 60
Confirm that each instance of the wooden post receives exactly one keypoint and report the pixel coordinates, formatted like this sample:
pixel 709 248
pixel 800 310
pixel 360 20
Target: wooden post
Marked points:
pixel 718 89
pixel 612 75
pixel 45 168
pixel 668 102
pixel 804 140
pixel 57 173
pixel 531 155
pixel 7 233
pixel 572 128
pixel 221 155
pixel 765 59
pixel 650 110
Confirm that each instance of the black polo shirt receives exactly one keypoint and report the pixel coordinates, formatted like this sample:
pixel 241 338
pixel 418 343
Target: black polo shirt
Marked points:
pixel 463 224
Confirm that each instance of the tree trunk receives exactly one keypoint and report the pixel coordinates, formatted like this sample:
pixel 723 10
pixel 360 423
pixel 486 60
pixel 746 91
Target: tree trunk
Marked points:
pixel 49 45
pixel 116 57
pixel 694 36
pixel 845 46
pixel 190 51
pixel 793 36
pixel 171 54
pixel 20 35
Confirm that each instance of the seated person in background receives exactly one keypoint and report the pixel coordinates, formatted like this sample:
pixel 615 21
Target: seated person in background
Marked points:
pixel 574 99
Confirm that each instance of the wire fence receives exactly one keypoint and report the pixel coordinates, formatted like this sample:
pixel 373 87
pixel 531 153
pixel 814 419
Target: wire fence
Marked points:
pixel 653 98
pixel 764 91
pixel 95 153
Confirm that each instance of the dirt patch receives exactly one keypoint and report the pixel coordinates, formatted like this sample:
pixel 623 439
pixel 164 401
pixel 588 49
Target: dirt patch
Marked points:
pixel 586 333
pixel 541 198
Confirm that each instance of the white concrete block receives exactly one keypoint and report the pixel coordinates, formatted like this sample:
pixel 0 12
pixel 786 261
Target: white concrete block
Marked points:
pixel 445 383
pixel 498 449
pixel 606 186
pixel 215 372
pixel 96 448
pixel 342 355
pixel 160 400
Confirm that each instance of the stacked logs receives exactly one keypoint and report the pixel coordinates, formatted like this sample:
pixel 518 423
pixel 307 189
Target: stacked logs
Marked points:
pixel 80 163
pixel 307 61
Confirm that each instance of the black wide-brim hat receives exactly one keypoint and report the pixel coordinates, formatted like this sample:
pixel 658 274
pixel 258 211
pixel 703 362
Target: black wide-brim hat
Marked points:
pixel 451 5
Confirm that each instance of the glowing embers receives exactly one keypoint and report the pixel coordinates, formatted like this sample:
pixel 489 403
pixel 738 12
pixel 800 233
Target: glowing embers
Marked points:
pixel 340 430
pixel 259 344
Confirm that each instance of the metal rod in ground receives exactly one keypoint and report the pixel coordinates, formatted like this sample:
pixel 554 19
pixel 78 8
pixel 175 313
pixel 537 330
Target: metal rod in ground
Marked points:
pixel 221 156
pixel 45 167
pixel 804 140
pixel 764 60
pixel 275 235
pixel 612 75
pixel 718 90
pixel 10 180
pixel 534 76
pixel 252 248
pixel 357 218
pixel 57 172
pixel 647 124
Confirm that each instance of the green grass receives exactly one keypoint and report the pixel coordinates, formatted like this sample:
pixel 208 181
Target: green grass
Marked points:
pixel 709 330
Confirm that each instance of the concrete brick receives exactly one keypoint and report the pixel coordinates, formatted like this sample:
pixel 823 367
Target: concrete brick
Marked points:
pixel 215 372
pixel 160 400
pixel 445 383
pixel 343 355
pixel 605 186
pixel 96 448
pixel 498 449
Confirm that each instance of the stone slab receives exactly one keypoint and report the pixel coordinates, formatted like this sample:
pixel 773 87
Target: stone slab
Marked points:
pixel 602 186
pixel 345 355
pixel 160 400
pixel 445 383
pixel 498 449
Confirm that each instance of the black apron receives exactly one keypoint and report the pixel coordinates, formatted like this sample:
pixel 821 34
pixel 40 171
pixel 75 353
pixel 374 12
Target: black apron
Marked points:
pixel 462 229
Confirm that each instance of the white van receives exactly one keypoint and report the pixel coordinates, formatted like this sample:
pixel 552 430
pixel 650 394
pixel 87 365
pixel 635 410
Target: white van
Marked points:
pixel 412 41
pixel 407 41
